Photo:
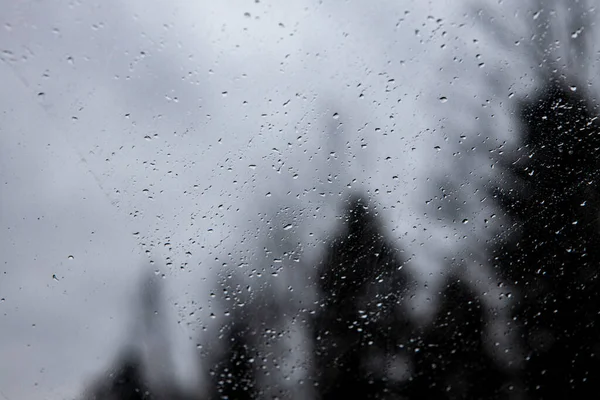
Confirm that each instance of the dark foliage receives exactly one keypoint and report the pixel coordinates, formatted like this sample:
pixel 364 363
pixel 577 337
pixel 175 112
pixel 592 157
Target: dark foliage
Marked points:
pixel 450 358
pixel 124 382
pixel 552 259
pixel 359 328
pixel 234 375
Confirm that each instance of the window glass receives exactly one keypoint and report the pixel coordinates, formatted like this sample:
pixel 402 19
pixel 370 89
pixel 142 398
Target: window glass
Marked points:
pixel 253 199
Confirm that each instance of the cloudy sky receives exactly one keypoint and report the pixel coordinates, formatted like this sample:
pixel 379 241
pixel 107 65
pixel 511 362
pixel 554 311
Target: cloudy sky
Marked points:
pixel 156 136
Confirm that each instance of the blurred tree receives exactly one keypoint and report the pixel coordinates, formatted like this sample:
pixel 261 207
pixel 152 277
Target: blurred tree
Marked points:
pixel 143 370
pixel 547 188
pixel 233 376
pixel 359 329
pixel 125 382
pixel 250 356
pixel 450 358
pixel 552 193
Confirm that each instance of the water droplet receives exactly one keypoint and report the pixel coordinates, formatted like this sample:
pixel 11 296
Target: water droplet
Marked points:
pixel 288 227
pixel 336 116
pixel 573 88
pixel 438 148
pixel 70 257
pixel 443 99
pixel 465 221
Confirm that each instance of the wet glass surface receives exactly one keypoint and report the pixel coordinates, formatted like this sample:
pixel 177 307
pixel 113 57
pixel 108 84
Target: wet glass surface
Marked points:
pixel 299 200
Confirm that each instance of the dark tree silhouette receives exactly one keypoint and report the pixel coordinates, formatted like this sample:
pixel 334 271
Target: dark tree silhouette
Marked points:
pixel 251 351
pixel 233 377
pixel 553 256
pixel 450 358
pixel 146 350
pixel 125 382
pixel 359 329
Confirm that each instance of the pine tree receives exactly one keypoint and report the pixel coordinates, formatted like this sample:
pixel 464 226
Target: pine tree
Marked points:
pixel 124 382
pixel 554 254
pixel 451 360
pixel 234 375
pixel 260 304
pixel 358 328
pixel 143 370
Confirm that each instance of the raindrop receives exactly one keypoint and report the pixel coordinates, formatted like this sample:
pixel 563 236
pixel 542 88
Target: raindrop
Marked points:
pixel 465 221
pixel 336 116
pixel 573 88
pixel 71 257
pixel 288 227
pixel 443 99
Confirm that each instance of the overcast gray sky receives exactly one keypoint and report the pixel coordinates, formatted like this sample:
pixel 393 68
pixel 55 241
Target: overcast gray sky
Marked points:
pixel 153 131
